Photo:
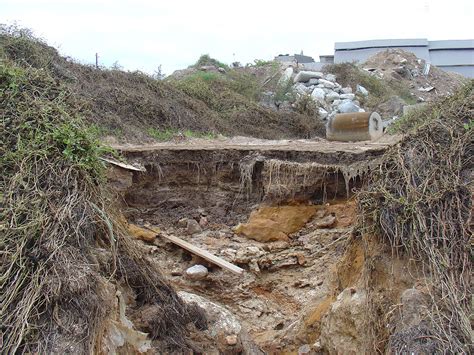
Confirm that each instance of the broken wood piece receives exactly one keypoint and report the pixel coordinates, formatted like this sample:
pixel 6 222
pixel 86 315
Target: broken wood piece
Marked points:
pixel 202 253
pixel 122 165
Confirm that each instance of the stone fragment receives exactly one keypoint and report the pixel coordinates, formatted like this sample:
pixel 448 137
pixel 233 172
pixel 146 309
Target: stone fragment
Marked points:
pixel 327 84
pixel 141 233
pixel 196 272
pixel 318 94
pixel 304 349
pixel 193 227
pixel 313 81
pixel 346 90
pixel 347 96
pixel 330 77
pixel 301 88
pixel 323 114
pixel 231 340
pixel 203 221
pixel 362 90
pixel 326 221
pixel 347 106
pixel 331 96
pixel 287 74
pixel 304 76
pixel 276 223
pixel 182 223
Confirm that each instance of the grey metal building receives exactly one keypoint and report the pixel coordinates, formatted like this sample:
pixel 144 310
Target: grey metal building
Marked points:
pixel 450 55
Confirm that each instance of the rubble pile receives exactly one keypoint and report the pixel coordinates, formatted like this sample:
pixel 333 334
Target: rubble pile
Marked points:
pixel 328 95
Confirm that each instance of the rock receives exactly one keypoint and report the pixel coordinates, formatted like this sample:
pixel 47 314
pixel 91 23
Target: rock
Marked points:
pixel 231 340
pixel 347 97
pixel 362 90
pixel 313 81
pixel 141 233
pixel 337 102
pixel 221 70
pixel 326 221
pixel 301 88
pixel 196 272
pixel 276 223
pixel 330 77
pixel 347 106
pixel 318 94
pixel 248 254
pixel 222 326
pixel 193 227
pixel 267 99
pixel 287 74
pixel 317 346
pixel 323 114
pixel 332 96
pixel 341 328
pixel 304 349
pixel 347 90
pixel 176 272
pixel 182 223
pixel 391 107
pixel 304 76
pixel 327 84
pixel 203 222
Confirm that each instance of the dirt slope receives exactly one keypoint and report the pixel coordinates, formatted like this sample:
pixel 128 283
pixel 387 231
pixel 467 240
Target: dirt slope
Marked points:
pixel 134 107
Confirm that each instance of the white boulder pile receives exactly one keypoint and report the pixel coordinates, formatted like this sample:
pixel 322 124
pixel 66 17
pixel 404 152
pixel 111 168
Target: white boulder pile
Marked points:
pixel 330 97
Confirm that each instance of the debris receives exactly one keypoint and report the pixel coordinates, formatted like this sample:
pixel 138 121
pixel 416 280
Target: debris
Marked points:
pixel 327 221
pixel 426 89
pixel 203 254
pixel 304 349
pixel 362 90
pixel 347 106
pixel 304 76
pixel 123 165
pixel 196 272
pixel 318 94
pixel 193 227
pixel 142 233
pixel 231 340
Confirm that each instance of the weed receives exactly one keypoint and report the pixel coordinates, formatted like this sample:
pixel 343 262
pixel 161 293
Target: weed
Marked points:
pixel 206 59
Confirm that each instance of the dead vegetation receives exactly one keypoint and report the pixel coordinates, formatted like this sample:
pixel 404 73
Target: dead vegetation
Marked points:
pixel 419 202
pixel 128 105
pixel 64 257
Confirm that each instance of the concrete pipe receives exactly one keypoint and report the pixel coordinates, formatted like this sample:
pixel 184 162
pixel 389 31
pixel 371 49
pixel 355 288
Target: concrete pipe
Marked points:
pixel 354 126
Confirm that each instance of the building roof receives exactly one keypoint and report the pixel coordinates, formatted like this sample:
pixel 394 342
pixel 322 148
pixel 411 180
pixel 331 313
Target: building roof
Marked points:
pixel 381 43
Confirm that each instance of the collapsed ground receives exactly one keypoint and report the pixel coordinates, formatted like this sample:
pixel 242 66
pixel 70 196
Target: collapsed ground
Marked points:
pixel 327 269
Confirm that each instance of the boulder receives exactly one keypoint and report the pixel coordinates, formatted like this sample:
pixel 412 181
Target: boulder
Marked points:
pixel 223 327
pixel 304 76
pixel 362 90
pixel 313 81
pixel 346 90
pixel 196 272
pixel 193 227
pixel 287 74
pixel 327 84
pixel 342 329
pixel 275 223
pixel 347 97
pixel 331 96
pixel 301 88
pixel 330 77
pixel 347 106
pixel 318 94
pixel 323 114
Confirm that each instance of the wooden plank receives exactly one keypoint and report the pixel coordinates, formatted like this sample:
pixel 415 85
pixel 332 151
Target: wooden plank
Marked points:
pixel 122 165
pixel 202 253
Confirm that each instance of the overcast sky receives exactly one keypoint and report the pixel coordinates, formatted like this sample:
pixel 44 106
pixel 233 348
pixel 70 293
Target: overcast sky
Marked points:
pixel 141 34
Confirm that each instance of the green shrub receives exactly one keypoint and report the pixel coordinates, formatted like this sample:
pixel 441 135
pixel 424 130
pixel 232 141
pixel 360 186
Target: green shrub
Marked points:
pixel 206 59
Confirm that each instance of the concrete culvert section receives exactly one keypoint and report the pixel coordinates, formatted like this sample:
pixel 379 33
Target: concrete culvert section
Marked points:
pixel 355 126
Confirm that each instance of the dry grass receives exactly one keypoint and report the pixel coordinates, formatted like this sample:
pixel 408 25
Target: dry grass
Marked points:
pixel 420 204
pixel 62 251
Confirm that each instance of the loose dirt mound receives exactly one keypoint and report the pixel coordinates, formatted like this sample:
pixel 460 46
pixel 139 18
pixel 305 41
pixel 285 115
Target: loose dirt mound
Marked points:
pixel 134 107
pixel 409 71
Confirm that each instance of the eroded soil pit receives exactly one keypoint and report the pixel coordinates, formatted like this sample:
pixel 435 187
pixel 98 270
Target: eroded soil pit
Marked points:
pixel 283 215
